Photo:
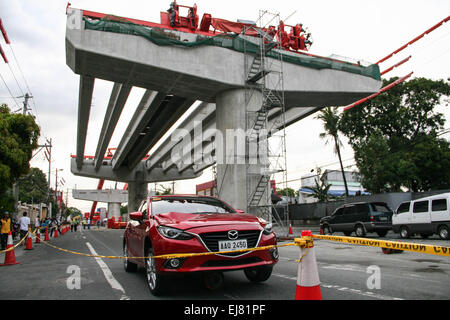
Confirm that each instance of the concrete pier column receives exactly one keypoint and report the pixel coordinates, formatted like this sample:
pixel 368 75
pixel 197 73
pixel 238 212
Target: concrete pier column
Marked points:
pixel 234 184
pixel 137 191
pixel 113 210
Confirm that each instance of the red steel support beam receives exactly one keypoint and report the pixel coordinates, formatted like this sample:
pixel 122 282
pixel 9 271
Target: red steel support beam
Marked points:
pixel 94 205
pixel 2 28
pixel 2 53
pixel 389 86
pixel 415 39
pixel 395 65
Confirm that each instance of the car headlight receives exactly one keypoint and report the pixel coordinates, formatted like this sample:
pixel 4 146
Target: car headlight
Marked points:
pixel 268 229
pixel 173 233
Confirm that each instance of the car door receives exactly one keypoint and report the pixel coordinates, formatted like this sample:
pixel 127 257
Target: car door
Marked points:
pixel 336 220
pixel 132 235
pixel 403 214
pixel 141 229
pixel 347 219
pixel 421 216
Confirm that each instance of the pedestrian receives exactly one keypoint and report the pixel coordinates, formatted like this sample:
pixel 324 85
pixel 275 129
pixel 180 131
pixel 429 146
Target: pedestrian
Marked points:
pixel 24 224
pixel 5 229
pixel 37 222
pixel 53 226
pixel 76 224
pixel 72 224
pixel 89 223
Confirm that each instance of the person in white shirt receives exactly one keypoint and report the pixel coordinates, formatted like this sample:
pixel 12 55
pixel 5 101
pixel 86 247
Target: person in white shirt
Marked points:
pixel 24 223
pixel 37 222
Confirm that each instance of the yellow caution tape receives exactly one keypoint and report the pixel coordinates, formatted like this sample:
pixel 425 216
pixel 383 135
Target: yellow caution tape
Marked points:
pixel 413 247
pixel 174 255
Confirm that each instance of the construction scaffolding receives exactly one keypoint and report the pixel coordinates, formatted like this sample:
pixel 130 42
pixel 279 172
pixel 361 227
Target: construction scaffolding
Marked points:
pixel 266 159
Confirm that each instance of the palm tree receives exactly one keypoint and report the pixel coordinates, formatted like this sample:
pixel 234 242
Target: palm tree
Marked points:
pixel 330 120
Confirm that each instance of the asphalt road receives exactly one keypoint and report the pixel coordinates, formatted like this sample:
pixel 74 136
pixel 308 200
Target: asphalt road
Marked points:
pixel 347 272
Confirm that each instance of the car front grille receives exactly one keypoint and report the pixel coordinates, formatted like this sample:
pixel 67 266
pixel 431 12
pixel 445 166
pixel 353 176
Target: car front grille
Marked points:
pixel 211 240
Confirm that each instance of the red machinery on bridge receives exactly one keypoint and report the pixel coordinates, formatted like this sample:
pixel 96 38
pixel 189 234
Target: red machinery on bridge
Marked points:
pixel 296 40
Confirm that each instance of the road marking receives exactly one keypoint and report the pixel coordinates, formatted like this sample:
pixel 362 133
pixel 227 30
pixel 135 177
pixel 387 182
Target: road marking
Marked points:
pixel 345 289
pixel 108 274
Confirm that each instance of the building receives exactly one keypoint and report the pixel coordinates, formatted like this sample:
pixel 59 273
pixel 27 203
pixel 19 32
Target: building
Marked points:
pixel 333 178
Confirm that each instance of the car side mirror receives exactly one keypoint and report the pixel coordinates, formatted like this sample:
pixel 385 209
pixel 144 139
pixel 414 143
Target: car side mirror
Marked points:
pixel 136 216
pixel 240 211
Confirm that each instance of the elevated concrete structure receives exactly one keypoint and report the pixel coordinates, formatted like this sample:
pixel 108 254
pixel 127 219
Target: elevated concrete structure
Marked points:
pixel 112 197
pixel 175 77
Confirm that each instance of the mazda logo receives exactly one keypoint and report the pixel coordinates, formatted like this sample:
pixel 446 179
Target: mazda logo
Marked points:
pixel 232 234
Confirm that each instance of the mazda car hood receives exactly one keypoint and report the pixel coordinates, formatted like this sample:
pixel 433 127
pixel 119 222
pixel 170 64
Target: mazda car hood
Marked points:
pixel 186 221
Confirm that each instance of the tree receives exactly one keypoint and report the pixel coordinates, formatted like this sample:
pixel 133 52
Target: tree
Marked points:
pixel 395 137
pixel 289 192
pixel 33 188
pixel 330 119
pixel 320 191
pixel 18 138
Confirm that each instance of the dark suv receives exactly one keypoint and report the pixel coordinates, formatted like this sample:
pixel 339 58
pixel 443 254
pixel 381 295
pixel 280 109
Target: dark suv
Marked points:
pixel 362 217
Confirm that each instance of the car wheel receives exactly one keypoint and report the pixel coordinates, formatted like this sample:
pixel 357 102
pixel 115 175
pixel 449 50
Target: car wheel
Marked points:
pixel 382 233
pixel 258 274
pixel 443 233
pixel 404 232
pixel 327 230
pixel 155 281
pixel 360 231
pixel 129 266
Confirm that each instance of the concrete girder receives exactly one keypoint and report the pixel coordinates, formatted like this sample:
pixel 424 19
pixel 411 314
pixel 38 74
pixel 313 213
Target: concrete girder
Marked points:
pixel 84 109
pixel 184 153
pixel 168 113
pixel 109 195
pixel 202 113
pixel 124 174
pixel 119 96
pixel 146 109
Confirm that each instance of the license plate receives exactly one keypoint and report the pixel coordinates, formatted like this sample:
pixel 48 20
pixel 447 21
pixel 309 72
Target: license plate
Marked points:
pixel 233 245
pixel 383 218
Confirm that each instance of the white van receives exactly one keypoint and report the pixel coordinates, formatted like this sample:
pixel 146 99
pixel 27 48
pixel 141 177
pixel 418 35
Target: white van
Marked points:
pixel 426 216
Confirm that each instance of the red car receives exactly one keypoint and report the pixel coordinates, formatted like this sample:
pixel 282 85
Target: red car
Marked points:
pixel 194 224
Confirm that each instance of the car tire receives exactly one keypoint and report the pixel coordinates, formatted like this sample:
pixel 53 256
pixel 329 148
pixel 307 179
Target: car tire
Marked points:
pixel 404 232
pixel 360 231
pixel 327 230
pixel 155 281
pixel 443 233
pixel 382 234
pixel 258 274
pixel 129 266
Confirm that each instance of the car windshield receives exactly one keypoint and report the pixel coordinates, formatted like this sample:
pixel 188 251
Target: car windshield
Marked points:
pixel 189 205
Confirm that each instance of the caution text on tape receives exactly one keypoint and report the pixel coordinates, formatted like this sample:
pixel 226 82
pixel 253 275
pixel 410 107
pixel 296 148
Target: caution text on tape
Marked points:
pixel 414 247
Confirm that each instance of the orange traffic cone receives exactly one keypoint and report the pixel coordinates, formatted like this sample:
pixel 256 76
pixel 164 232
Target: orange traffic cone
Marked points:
pixel 38 236
pixel 10 257
pixel 290 228
pixel 56 233
pixel 46 238
pixel 29 245
pixel 308 283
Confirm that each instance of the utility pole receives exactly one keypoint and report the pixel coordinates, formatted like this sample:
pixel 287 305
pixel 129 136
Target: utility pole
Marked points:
pixel 48 154
pixel 25 103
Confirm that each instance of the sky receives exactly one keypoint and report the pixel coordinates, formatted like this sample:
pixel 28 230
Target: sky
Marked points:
pixel 363 30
